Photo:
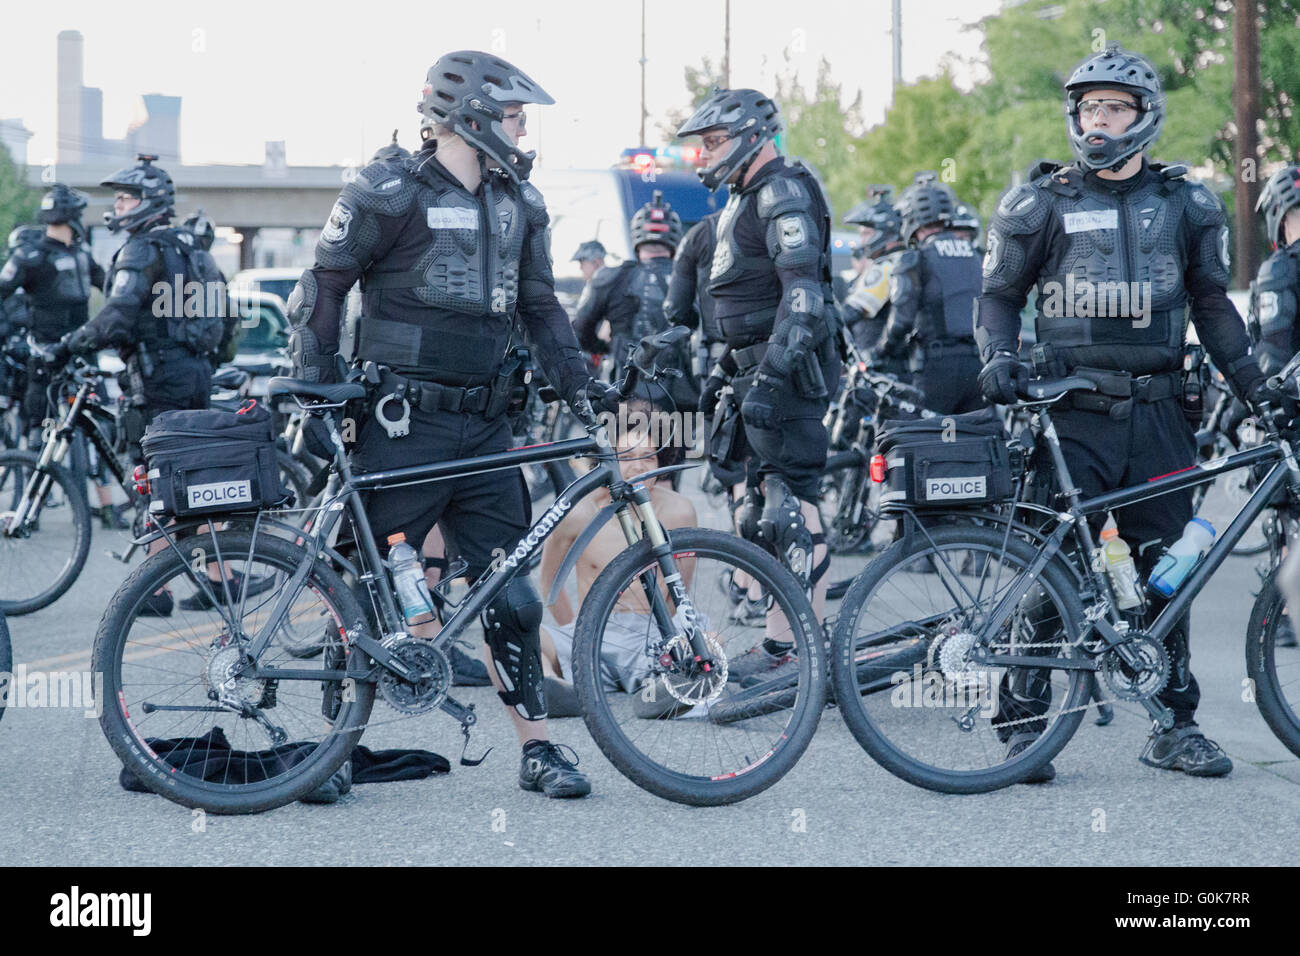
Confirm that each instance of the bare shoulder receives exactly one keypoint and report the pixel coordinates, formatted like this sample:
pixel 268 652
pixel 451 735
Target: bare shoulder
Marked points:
pixel 673 508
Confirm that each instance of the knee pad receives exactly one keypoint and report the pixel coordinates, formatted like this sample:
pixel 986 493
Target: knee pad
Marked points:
pixel 783 528
pixel 510 625
pixel 747 512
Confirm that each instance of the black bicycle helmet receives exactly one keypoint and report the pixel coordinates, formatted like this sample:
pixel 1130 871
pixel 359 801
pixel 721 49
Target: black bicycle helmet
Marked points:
pixel 926 202
pixel 468 91
pixel 877 212
pixel 203 230
pixel 61 204
pixel 155 188
pixel 747 116
pixel 656 222
pixel 1114 69
pixel 1279 196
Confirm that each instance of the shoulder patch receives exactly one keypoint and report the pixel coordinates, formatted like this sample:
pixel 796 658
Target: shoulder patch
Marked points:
pixel 339 223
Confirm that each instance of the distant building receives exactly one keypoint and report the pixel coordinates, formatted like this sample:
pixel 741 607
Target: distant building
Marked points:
pixel 81 117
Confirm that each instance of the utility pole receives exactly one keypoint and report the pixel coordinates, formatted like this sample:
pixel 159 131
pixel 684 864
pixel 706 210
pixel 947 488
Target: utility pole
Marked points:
pixel 898 45
pixel 726 44
pixel 643 113
pixel 1245 106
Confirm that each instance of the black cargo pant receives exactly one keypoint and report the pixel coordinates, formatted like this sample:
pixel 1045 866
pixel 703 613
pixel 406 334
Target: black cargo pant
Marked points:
pixel 1104 454
pixel 485 514
pixel 950 378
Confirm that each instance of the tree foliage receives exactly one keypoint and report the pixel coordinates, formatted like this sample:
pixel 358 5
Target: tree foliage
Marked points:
pixel 18 201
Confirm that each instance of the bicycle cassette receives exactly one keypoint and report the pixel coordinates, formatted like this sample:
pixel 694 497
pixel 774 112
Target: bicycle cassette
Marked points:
pixel 429 690
pixel 1150 677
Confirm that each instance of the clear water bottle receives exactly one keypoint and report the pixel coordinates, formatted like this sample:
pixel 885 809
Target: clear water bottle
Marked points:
pixel 1176 563
pixel 408 579
pixel 1123 572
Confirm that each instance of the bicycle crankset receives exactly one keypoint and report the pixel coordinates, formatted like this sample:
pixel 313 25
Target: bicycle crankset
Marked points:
pixel 424 659
pixel 1144 680
pixel 685 680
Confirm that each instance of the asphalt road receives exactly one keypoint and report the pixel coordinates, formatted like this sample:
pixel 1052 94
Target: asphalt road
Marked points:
pixel 63 804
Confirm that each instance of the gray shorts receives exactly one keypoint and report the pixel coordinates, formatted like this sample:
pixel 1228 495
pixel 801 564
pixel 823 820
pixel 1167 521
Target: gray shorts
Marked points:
pixel 623 660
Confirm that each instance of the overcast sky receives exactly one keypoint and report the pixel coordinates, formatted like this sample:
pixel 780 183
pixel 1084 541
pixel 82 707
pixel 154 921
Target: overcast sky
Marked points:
pixel 334 80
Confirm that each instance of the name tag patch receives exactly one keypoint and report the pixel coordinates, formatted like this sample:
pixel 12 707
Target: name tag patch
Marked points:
pixel 954 489
pixel 1091 219
pixel 452 217
pixel 219 493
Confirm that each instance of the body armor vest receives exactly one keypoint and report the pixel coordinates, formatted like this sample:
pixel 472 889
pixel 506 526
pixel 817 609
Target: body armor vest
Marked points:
pixel 1115 282
pixel 59 305
pixel 951 280
pixel 439 305
pixel 1274 308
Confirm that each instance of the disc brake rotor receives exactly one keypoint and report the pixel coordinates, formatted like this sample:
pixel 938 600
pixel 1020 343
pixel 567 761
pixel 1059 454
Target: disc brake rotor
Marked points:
pixel 685 682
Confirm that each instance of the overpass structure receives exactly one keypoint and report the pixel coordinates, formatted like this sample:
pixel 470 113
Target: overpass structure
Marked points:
pixel 246 198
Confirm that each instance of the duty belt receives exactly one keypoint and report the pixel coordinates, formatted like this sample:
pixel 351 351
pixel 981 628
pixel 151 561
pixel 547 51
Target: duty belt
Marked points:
pixel 433 397
pixel 1116 391
pixel 749 356
pixel 751 325
pixel 936 348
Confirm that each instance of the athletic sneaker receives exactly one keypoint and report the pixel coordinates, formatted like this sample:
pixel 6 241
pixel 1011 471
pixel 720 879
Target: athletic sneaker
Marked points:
pixel 756 661
pixel 545 769
pixel 468 671
pixel 157 605
pixel 750 612
pixel 199 600
pixel 1185 748
pixel 1044 774
pixel 333 789
pixel 734 593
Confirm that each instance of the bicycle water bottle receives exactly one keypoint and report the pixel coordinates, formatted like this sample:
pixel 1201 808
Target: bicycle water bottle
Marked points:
pixel 1123 572
pixel 1176 563
pixel 408 579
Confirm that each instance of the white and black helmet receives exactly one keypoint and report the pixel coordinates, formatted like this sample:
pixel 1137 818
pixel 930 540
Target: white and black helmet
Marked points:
pixel 1116 69
pixel 469 91
pixel 749 118
pixel 154 187
pixel 1279 196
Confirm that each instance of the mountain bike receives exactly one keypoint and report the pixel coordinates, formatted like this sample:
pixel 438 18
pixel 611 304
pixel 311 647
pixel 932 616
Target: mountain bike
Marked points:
pixel 223 681
pixel 998 627
pixel 45 524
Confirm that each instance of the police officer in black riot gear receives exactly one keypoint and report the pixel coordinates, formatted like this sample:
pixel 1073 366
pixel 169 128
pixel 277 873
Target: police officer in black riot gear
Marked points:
pixel 448 247
pixel 1275 293
pixel 866 309
pixel 631 298
pixel 770 284
pixel 689 302
pixel 932 292
pixel 55 272
pixel 1113 222
pixel 162 373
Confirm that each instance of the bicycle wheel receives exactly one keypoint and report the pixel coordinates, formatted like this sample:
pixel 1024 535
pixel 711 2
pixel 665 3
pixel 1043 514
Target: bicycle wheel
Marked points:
pixel 40 559
pixel 178 711
pixel 293 477
pixel 649 709
pixel 942 721
pixel 846 512
pixel 1273 664
pixel 6 661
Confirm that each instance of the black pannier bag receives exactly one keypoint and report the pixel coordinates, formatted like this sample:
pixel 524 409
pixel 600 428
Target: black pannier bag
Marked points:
pixel 922 470
pixel 207 461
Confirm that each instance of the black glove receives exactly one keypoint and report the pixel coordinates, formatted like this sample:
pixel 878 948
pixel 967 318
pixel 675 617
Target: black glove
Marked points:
pixel 762 400
pixel 1001 377
pixel 722 373
pixel 61 351
pixel 602 396
pixel 1267 396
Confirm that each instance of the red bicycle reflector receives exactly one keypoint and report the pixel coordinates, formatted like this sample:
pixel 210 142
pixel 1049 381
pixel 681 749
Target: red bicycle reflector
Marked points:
pixel 878 469
pixel 141 478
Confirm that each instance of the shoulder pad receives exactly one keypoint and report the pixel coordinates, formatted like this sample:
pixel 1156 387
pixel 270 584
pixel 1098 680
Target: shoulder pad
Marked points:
pixel 380 187
pixel 1278 271
pixel 1203 207
pixel 533 202
pixel 27 252
pixel 138 254
pixel 908 260
pixel 608 275
pixel 531 195
pixel 782 194
pixel 1023 209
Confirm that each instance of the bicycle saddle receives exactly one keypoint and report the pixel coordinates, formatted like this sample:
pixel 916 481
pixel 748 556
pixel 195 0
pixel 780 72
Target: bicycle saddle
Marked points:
pixel 342 392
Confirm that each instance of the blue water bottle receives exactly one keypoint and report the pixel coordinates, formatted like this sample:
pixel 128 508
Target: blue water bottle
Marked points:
pixel 1176 563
